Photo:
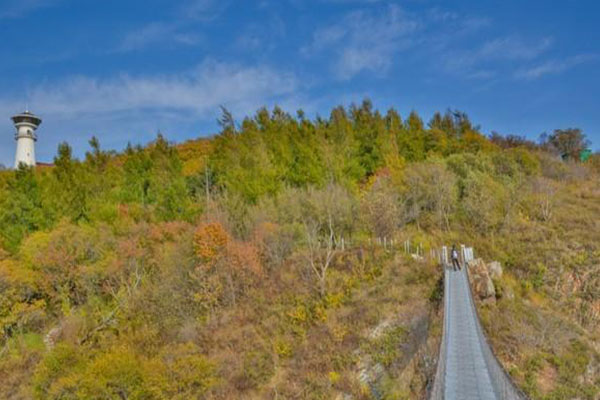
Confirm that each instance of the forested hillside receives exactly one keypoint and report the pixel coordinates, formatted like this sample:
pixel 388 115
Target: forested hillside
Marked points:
pixel 246 265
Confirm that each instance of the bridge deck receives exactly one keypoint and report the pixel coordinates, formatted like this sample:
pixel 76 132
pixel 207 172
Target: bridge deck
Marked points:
pixel 466 373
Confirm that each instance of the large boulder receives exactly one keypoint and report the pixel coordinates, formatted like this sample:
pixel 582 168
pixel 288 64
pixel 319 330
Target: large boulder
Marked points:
pixel 481 282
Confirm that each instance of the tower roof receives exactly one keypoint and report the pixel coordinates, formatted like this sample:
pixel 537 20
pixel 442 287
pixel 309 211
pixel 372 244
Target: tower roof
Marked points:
pixel 27 117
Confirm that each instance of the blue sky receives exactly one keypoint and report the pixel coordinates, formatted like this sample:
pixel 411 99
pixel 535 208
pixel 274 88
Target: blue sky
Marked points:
pixel 122 70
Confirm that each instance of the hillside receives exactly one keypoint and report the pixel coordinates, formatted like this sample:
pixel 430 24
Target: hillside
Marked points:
pixel 252 264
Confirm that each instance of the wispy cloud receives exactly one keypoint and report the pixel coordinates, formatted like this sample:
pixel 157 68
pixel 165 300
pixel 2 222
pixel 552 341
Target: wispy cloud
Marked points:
pixel 365 40
pixel 199 91
pixel 262 36
pixel 20 8
pixel 513 48
pixel 375 38
pixel 484 61
pixel 181 29
pixel 203 10
pixel 553 67
pixel 158 33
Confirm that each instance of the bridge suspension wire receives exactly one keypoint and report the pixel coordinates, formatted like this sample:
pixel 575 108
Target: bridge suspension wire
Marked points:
pixel 467 368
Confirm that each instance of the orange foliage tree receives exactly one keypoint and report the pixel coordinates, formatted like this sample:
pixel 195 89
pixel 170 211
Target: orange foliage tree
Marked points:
pixel 209 240
pixel 236 264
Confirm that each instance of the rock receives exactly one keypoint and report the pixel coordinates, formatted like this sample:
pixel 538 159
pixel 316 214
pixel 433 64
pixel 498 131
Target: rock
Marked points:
pixel 380 329
pixel 368 373
pixel 51 337
pixel 416 257
pixel 495 270
pixel 481 282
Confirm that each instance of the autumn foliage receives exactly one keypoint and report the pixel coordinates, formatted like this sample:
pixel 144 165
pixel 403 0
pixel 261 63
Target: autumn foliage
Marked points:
pixel 210 241
pixel 246 265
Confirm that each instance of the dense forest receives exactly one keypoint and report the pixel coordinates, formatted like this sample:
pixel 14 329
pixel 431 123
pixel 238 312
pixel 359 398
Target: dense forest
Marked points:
pixel 248 264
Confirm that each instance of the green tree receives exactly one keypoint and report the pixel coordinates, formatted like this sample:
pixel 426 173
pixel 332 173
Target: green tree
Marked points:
pixel 68 192
pixel 412 141
pixel 21 209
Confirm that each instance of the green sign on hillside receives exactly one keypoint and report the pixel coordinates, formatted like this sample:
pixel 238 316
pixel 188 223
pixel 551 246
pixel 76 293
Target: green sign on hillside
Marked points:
pixel 585 155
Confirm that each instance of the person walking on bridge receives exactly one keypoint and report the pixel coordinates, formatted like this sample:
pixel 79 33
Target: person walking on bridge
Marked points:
pixel 454 257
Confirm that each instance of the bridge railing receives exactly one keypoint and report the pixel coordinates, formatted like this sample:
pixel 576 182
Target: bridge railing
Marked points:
pixel 504 387
pixel 437 390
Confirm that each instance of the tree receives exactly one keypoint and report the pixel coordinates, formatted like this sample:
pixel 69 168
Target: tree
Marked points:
pixel 153 178
pixel 226 121
pixel 235 263
pixel 320 241
pixel 244 163
pixel 430 187
pixel 69 192
pixel 568 143
pixel 340 148
pixel 166 183
pixel 511 141
pixel 21 209
pixel 412 140
pixel 484 202
pixel 381 207
pixel 97 158
pixel 325 216
pixel 370 133
pixel 137 169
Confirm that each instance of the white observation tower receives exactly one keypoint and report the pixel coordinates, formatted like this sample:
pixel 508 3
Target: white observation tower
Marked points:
pixel 26 124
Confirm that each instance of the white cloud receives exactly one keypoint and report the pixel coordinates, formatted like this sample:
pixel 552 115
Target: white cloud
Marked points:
pixel 128 107
pixel 481 62
pixel 20 8
pixel 156 33
pixel 198 91
pixel 365 40
pixel 356 59
pixel 553 67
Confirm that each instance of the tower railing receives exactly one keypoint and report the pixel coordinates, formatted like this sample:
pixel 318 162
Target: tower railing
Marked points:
pixel 32 135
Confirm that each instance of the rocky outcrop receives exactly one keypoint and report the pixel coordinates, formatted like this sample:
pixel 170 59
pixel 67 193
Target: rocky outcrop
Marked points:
pixel 481 277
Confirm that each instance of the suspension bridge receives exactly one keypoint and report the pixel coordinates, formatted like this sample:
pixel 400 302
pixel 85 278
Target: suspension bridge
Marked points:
pixel 467 369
